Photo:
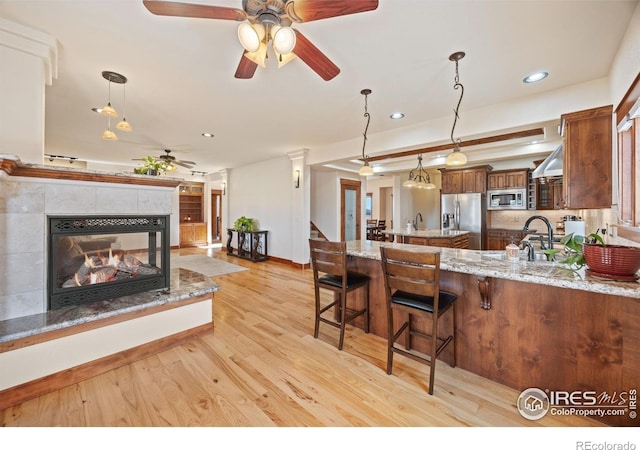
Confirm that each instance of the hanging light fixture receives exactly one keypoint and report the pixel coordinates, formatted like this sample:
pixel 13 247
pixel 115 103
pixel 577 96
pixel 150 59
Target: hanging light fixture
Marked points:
pixel 255 39
pixel 366 170
pixel 456 157
pixel 418 180
pixel 109 111
pixel 123 125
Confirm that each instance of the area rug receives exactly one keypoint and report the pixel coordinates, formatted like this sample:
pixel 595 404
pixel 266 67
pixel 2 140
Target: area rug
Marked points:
pixel 207 266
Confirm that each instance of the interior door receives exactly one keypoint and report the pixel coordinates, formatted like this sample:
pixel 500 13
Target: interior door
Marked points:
pixel 216 215
pixel 349 210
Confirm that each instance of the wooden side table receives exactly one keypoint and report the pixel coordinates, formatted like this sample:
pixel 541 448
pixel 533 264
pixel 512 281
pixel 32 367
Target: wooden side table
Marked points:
pixel 251 245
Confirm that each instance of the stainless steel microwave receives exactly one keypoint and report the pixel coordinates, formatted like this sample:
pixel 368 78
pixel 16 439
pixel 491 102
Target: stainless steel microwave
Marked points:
pixel 507 199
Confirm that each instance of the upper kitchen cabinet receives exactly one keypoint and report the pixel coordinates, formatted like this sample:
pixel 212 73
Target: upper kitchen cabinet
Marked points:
pixel 471 179
pixel 587 164
pixel 508 179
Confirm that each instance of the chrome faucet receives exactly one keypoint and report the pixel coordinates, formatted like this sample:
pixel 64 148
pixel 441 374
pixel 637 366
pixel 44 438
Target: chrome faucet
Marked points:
pixel 549 229
pixel 415 222
pixel 530 251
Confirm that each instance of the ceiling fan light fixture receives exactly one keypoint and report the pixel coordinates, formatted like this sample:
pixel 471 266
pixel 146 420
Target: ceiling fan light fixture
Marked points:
pixel 250 36
pixel 283 40
pixel 284 59
pixel 259 56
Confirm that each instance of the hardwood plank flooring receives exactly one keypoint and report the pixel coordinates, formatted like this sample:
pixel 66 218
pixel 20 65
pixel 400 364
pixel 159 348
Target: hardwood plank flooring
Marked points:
pixel 261 367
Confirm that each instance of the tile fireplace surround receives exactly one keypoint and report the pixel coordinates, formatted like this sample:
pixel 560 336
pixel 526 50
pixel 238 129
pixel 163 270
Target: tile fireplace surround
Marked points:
pixel 29 193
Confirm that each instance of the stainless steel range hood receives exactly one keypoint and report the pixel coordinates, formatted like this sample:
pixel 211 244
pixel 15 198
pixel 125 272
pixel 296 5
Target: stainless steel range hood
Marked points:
pixel 551 167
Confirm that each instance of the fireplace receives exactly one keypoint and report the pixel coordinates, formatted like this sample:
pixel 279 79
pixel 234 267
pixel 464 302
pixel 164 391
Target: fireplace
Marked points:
pixel 95 258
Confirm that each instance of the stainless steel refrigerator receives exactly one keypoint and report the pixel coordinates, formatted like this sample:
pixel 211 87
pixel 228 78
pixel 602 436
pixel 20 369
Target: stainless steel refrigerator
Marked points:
pixel 467 212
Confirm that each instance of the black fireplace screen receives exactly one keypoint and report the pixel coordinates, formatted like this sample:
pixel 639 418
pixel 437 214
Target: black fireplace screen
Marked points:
pixel 98 258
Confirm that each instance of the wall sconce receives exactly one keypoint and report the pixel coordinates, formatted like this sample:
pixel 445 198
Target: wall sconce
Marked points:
pixel 224 188
pixel 296 180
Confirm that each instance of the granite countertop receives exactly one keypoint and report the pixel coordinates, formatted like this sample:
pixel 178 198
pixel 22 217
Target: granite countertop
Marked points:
pixel 184 284
pixel 488 263
pixel 425 233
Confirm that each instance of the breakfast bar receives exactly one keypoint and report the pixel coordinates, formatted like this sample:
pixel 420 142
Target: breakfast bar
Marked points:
pixel 528 324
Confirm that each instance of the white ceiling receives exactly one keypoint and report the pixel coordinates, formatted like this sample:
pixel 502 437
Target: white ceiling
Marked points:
pixel 181 72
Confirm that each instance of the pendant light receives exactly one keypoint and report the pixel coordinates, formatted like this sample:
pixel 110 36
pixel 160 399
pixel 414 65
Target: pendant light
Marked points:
pixel 109 135
pixel 456 157
pixel 418 180
pixel 123 125
pixel 366 170
pixel 109 111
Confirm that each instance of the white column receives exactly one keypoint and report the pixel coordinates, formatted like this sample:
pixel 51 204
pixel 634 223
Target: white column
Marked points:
pixel 300 207
pixel 28 62
pixel 224 187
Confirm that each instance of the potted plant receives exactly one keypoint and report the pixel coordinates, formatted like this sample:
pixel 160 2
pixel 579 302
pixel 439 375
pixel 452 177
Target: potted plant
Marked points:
pixel 245 224
pixel 151 166
pixel 616 262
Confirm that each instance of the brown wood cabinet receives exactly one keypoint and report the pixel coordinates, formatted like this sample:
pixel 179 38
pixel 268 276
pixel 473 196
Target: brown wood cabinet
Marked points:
pixel 499 238
pixel 192 234
pixel 508 179
pixel 550 195
pixel 587 166
pixel 460 241
pixel 629 162
pixel 472 179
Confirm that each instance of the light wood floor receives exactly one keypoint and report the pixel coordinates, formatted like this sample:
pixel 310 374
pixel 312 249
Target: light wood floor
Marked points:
pixel 261 367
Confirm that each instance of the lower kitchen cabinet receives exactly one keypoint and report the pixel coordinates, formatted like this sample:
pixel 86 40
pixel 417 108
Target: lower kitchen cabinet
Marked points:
pixel 499 238
pixel 192 234
pixel 461 241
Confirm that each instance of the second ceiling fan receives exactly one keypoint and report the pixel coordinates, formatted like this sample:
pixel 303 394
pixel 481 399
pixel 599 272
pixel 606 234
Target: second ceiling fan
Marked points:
pixel 267 22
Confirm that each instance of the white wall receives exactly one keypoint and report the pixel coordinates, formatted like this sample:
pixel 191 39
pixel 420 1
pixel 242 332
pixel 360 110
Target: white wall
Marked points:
pixel 263 191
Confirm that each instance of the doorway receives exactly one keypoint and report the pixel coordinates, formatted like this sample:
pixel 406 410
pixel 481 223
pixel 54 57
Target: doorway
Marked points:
pixel 349 210
pixel 216 216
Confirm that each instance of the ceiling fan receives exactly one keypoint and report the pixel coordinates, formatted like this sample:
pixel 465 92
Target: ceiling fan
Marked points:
pixel 269 21
pixel 170 159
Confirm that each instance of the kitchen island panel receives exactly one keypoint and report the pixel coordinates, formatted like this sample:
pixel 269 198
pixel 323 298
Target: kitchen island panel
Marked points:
pixel 533 335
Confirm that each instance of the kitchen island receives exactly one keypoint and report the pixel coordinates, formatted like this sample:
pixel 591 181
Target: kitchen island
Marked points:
pixel 435 238
pixel 530 324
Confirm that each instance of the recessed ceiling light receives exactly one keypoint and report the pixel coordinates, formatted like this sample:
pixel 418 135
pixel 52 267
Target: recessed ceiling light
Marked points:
pixel 207 134
pixel 535 77
pixel 397 115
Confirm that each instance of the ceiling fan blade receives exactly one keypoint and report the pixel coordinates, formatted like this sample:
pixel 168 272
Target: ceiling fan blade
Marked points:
pixel 246 68
pixel 314 58
pixel 185 164
pixel 310 10
pixel 161 8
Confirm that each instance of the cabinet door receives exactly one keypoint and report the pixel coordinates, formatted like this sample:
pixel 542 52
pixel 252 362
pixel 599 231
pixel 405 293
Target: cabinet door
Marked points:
pixel 187 235
pixel 200 233
pixel 468 181
pixel 452 182
pixel 587 166
pixel 516 179
pixel 415 240
pixel 439 242
pixel 495 181
pixel 494 243
pixel 544 195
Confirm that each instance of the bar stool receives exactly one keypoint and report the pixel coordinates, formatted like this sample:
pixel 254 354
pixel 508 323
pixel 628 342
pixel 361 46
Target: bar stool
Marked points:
pixel 412 285
pixel 329 264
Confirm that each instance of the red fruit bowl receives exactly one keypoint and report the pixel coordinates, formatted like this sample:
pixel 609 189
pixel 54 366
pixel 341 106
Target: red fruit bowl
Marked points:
pixel 612 259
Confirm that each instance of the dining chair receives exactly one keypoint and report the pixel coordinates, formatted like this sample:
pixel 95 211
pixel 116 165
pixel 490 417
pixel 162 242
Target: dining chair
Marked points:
pixel 329 264
pixel 379 235
pixel 412 287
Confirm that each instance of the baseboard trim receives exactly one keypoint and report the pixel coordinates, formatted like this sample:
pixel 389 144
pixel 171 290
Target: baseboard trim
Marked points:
pixel 32 389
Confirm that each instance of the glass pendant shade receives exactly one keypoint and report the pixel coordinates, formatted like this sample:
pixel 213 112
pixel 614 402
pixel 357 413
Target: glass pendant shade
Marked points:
pixel 366 170
pixel 409 183
pixel 284 59
pixel 250 36
pixel 109 111
pixel 123 125
pixel 109 135
pixel 283 40
pixel 456 158
pixel 259 57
